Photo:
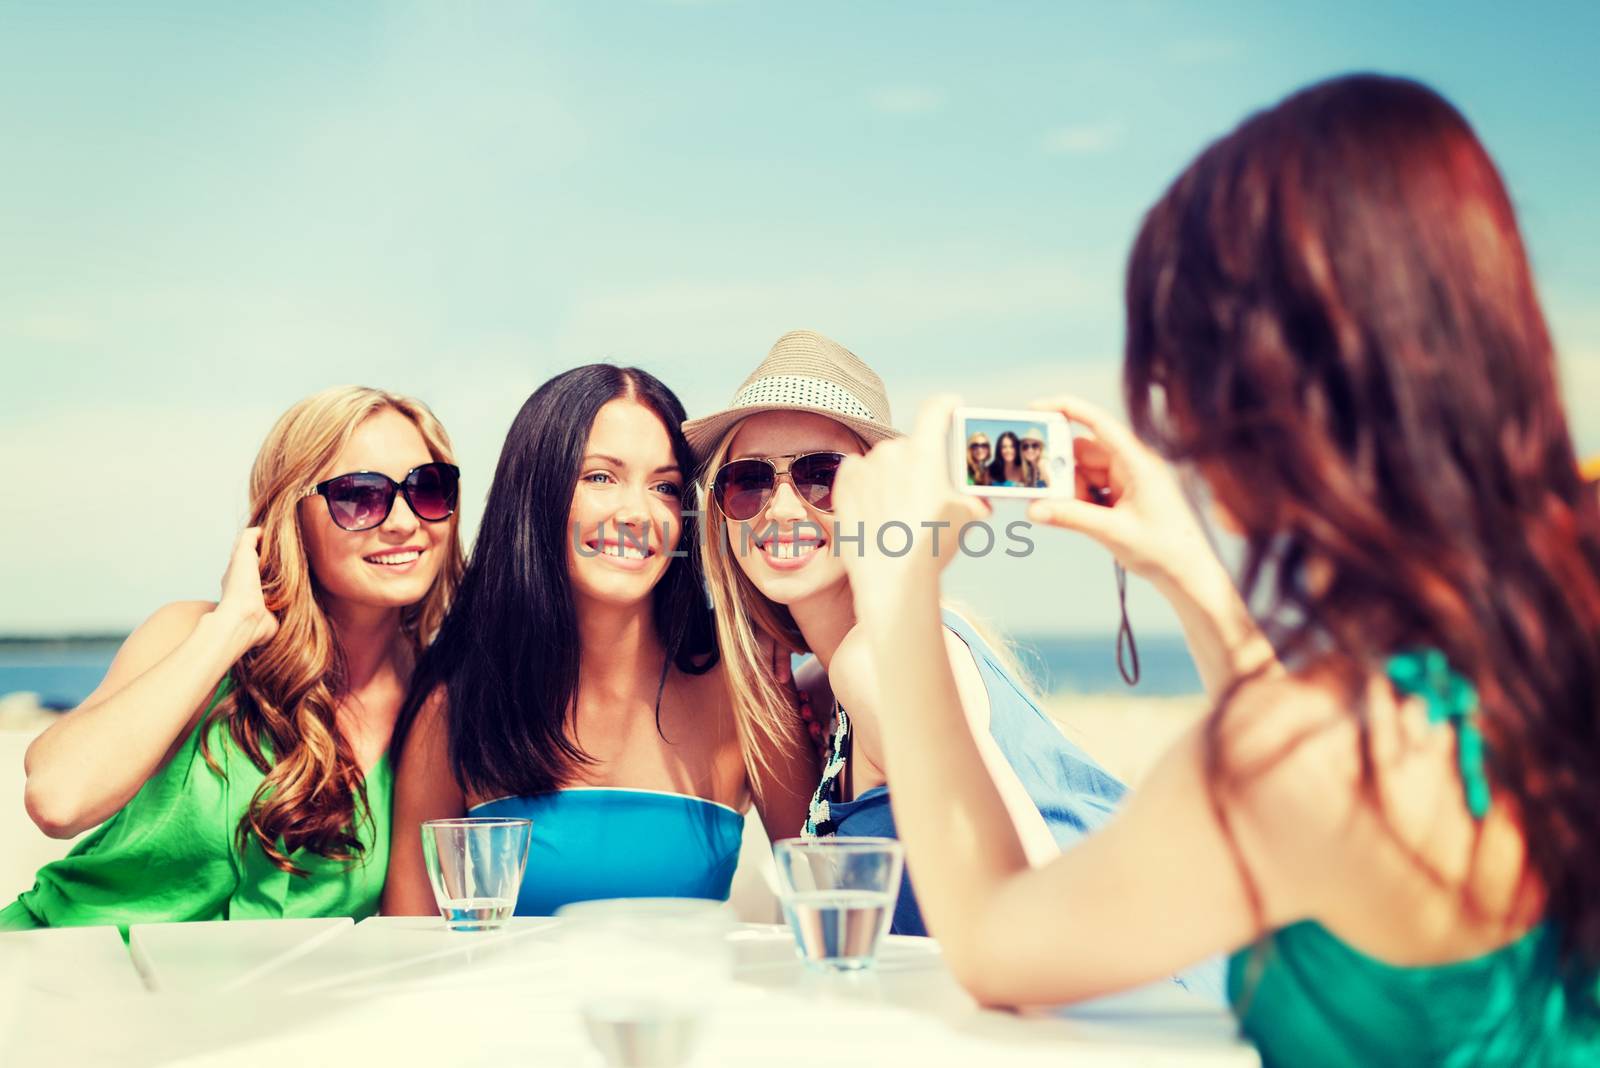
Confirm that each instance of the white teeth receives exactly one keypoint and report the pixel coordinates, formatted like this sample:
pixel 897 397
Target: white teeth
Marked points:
pixel 629 552
pixel 395 558
pixel 791 550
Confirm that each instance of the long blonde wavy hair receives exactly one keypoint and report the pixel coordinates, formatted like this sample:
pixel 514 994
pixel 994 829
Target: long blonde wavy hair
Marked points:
pixel 743 616
pixel 282 710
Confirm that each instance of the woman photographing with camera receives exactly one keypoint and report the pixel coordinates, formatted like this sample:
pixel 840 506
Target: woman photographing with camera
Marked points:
pixel 776 576
pixel 1332 322
pixel 236 753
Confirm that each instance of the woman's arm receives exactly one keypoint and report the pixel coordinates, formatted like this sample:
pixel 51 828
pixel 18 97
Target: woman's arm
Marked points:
pixel 88 764
pixel 425 789
pixel 1155 891
pixel 1130 501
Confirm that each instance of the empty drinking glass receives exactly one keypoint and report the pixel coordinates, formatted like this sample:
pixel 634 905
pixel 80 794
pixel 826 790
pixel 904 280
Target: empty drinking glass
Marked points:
pixel 475 866
pixel 647 973
pixel 839 895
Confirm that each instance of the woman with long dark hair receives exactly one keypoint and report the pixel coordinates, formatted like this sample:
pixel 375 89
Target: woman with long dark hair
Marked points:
pixel 1332 323
pixel 577 682
pixel 1007 468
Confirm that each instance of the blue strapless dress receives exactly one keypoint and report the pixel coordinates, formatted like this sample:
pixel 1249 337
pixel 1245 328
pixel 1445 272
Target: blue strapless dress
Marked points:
pixel 600 842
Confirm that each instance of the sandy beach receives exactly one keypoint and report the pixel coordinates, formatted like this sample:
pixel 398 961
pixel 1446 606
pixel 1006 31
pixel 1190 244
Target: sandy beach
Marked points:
pixel 1126 734
pixel 22 712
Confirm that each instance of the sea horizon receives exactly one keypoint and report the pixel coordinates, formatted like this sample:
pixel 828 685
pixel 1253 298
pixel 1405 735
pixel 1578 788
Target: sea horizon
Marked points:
pixel 62 669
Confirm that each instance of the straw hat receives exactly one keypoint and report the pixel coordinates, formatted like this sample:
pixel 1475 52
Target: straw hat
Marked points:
pixel 1033 434
pixel 803 372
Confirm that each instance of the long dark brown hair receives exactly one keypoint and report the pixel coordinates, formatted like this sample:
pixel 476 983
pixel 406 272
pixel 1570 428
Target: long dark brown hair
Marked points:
pixel 1331 314
pixel 507 654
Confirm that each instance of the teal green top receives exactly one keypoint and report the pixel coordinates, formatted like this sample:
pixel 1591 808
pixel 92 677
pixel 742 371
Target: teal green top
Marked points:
pixel 1318 1001
pixel 1306 998
pixel 171 854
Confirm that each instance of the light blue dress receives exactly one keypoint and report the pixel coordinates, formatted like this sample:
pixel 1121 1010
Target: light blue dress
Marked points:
pixel 600 842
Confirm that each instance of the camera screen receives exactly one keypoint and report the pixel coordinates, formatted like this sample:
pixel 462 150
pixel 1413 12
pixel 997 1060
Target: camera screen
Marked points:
pixel 1007 452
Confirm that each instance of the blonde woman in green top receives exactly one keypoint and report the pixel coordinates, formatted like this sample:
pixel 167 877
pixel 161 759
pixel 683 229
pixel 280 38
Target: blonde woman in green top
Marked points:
pixel 236 754
pixel 1392 816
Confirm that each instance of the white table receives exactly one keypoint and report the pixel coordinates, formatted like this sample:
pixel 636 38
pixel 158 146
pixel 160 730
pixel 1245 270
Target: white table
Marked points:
pixel 401 991
pixel 71 962
pixel 220 956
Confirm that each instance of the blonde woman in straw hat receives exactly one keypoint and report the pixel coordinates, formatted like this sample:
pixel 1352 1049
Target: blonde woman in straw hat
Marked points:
pixel 773 563
pixel 978 450
pixel 236 755
pixel 1035 470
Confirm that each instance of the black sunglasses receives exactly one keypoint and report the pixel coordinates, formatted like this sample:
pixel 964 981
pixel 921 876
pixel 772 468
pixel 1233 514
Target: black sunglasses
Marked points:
pixel 742 488
pixel 363 499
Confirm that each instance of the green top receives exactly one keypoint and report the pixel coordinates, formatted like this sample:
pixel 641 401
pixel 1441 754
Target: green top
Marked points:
pixel 171 854
pixel 1306 998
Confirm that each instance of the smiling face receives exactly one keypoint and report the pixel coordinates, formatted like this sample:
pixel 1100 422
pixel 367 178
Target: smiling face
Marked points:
pixel 784 548
pixel 395 563
pixel 1008 449
pixel 627 507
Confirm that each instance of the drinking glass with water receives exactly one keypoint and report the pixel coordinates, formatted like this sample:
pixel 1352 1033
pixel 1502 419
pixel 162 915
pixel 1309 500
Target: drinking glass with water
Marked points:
pixel 839 895
pixel 475 866
pixel 647 972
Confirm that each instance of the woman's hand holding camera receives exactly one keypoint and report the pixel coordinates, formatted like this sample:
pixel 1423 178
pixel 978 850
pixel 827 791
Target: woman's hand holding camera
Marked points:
pixel 900 499
pixel 1128 499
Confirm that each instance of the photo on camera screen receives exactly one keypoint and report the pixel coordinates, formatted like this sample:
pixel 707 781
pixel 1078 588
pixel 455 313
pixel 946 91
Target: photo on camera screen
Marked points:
pixel 1007 453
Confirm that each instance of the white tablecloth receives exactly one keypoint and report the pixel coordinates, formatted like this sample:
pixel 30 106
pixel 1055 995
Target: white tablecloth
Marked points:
pixel 402 991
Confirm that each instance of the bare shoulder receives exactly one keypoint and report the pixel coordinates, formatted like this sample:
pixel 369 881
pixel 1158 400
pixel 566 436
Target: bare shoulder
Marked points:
pixel 1290 744
pixel 1287 779
pixel 422 764
pixel 432 723
pixel 852 673
pixel 969 681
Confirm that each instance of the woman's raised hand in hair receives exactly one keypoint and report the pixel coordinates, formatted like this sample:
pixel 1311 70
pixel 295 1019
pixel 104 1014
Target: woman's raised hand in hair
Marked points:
pixel 242 604
pixel 86 765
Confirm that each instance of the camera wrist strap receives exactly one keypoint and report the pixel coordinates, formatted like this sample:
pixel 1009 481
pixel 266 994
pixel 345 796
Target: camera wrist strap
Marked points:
pixel 1127 648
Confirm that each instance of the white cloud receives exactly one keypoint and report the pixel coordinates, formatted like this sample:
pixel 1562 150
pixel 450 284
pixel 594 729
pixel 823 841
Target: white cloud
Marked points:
pixel 906 100
pixel 1083 139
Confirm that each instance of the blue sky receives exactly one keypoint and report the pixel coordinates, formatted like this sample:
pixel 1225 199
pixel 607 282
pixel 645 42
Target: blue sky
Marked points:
pixel 209 211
